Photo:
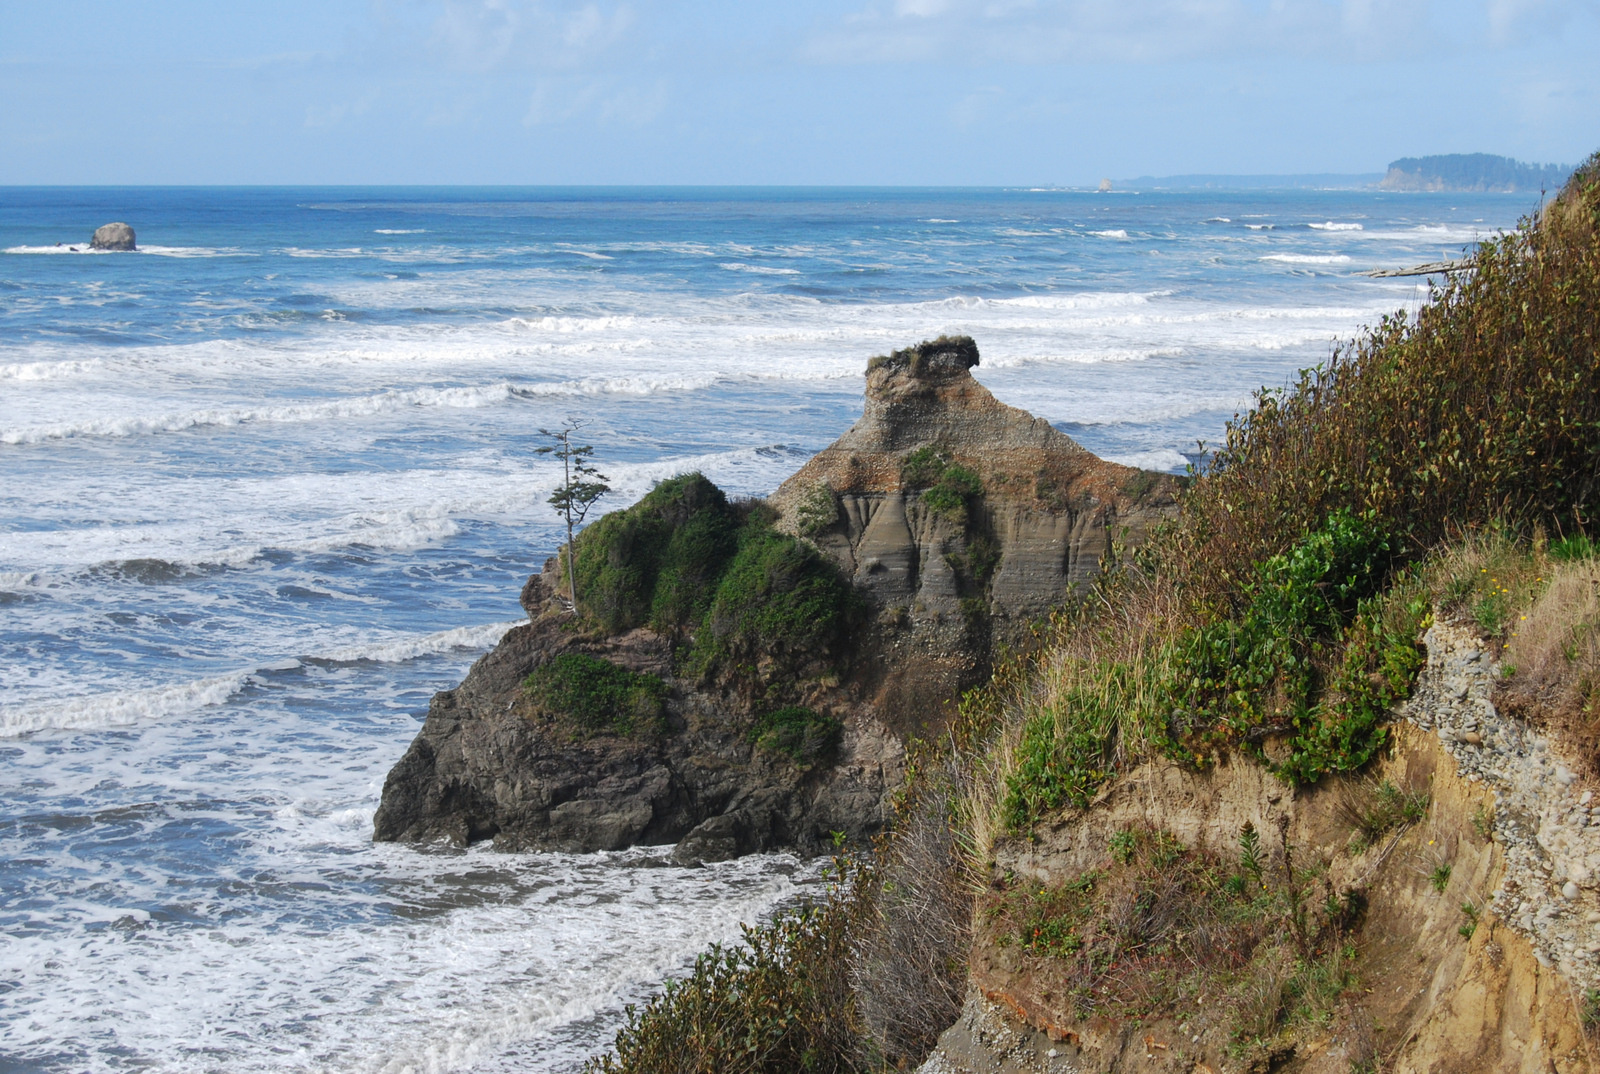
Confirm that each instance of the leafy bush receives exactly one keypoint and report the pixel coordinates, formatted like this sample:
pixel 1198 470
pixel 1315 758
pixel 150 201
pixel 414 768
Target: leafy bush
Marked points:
pixel 658 562
pixel 1483 407
pixel 779 606
pixel 778 1003
pixel 596 695
pixel 801 734
pixel 817 512
pixel 948 488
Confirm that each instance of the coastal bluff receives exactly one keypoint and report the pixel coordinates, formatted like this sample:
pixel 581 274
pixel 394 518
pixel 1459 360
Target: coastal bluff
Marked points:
pixel 696 700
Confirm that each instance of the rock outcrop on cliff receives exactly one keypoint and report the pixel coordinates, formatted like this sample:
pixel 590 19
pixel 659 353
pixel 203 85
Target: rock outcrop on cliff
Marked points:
pixel 950 521
pixel 950 572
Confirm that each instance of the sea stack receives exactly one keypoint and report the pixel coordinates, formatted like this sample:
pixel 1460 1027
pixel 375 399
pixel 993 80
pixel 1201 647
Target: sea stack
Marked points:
pixel 117 236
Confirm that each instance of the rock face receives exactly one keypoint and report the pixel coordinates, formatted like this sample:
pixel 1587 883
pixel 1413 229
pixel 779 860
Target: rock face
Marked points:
pixel 1441 989
pixel 959 520
pixel 116 236
pixel 488 765
pixel 949 583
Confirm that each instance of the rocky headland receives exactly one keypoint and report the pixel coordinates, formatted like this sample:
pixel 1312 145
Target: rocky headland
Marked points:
pixel 741 676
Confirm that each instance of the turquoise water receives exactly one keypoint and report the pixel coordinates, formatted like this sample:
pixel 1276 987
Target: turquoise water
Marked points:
pixel 270 482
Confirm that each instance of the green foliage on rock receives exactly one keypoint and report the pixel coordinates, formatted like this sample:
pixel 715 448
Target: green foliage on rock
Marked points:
pixel 948 488
pixel 747 600
pixel 801 734
pixel 817 511
pixel 779 606
pixel 658 562
pixel 597 696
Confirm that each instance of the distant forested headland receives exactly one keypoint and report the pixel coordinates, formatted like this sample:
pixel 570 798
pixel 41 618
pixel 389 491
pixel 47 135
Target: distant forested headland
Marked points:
pixel 1472 171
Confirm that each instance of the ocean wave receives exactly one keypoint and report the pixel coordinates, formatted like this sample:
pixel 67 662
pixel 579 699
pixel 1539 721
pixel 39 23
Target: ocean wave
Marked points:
pixel 400 231
pixel 1113 233
pixel 1333 226
pixel 760 270
pixel 570 324
pixel 154 251
pixel 121 708
pixel 1261 227
pixel 1086 357
pixel 1084 300
pixel 1308 259
pixel 49 370
pixel 1164 459
pixel 940 220
pixel 1219 220
pixel 348 407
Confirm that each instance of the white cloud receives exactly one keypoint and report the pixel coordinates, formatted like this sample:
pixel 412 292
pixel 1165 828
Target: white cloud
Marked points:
pixel 1099 31
pixel 487 35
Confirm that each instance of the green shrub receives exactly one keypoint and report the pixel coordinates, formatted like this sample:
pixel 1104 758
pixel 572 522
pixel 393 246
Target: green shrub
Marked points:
pixel 1578 546
pixel 779 606
pixel 780 1002
pixel 923 467
pixel 657 563
pixel 952 495
pixel 818 510
pixel 1482 407
pixel 801 734
pixel 597 696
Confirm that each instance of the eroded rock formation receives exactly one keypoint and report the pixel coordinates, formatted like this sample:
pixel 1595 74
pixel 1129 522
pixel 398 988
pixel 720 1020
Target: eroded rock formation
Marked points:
pixel 957 519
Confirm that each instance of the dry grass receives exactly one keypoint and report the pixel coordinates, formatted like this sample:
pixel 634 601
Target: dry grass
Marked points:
pixel 1552 656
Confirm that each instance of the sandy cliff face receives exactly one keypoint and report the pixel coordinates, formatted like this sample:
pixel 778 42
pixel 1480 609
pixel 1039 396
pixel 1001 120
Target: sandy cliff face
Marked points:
pixel 1051 510
pixel 1437 989
pixel 1036 516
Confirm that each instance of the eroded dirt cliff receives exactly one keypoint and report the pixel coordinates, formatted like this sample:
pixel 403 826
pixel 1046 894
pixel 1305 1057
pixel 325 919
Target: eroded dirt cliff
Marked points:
pixel 1465 923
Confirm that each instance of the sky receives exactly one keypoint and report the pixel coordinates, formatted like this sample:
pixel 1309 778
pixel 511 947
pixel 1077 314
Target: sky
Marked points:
pixel 838 92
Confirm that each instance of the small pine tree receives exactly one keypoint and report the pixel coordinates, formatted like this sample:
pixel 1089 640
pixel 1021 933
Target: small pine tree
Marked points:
pixel 581 486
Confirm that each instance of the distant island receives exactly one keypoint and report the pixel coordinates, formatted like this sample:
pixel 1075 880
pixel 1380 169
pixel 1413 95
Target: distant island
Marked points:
pixel 1483 172
pixel 1314 181
pixel 1473 171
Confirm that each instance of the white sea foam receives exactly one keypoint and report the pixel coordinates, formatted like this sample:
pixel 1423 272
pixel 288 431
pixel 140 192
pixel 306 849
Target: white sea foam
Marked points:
pixel 121 708
pixel 1308 259
pixel 349 407
pixel 1163 459
pixel 153 251
pixel 1261 227
pixel 1113 233
pixel 1332 225
pixel 393 650
pixel 400 231
pixel 760 270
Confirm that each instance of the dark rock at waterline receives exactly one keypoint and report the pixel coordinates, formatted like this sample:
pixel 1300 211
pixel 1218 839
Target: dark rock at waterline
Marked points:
pixel 118 236
pixel 488 765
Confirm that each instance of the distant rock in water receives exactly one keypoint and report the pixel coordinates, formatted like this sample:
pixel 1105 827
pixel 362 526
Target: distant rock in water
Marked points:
pixel 1473 172
pixel 118 236
pixel 745 674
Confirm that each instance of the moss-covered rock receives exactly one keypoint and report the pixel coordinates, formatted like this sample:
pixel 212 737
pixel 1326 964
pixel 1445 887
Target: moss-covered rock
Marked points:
pixel 657 563
pixel 595 696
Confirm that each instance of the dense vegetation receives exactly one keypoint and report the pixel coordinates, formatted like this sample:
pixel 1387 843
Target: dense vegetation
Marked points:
pixel 1422 467
pixel 1480 171
pixel 742 599
pixel 595 695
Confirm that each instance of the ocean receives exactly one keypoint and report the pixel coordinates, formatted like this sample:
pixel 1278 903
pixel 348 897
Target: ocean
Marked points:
pixel 271 481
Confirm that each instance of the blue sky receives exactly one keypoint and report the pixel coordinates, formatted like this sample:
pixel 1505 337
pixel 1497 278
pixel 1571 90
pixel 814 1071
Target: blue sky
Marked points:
pixel 839 92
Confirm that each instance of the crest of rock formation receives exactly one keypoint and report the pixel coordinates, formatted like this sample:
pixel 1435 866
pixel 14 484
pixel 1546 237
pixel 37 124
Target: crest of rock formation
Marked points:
pixel 954 519
pixel 118 236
